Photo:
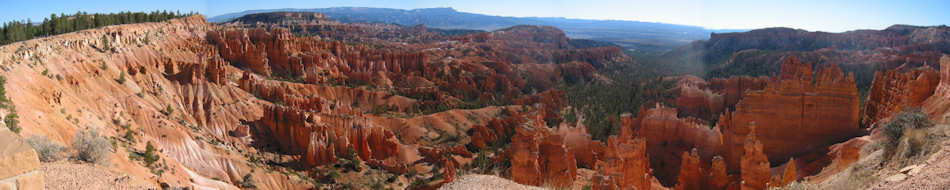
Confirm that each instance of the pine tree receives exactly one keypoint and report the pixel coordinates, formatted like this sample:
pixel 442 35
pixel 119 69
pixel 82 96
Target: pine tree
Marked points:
pixel 150 156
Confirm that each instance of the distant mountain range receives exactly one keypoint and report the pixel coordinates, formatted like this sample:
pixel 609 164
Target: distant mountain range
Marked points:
pixel 642 36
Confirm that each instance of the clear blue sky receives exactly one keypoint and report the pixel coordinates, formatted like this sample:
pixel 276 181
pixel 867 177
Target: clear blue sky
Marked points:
pixel 824 15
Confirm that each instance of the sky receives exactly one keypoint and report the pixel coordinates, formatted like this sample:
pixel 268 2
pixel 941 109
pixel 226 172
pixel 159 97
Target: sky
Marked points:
pixel 812 15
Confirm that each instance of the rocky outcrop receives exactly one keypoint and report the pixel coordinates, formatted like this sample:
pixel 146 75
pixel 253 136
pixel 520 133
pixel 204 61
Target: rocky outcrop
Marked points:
pixel 691 175
pixel 799 111
pixel 668 136
pixel 754 166
pixel 894 46
pixel 706 100
pixel 320 138
pixel 585 150
pixel 540 157
pixel 18 163
pixel 789 175
pixel 735 87
pixel 839 158
pixel 893 91
pixel 694 101
pixel 625 164
pixel 717 177
pixel 939 103
pixel 219 100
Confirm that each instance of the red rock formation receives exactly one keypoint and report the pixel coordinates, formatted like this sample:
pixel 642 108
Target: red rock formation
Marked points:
pixel 668 136
pixel 893 91
pixel 754 165
pixel 717 178
pixel 898 46
pixel 939 103
pixel 837 159
pixel 789 175
pixel 799 112
pixel 541 158
pixel 190 73
pixel 625 165
pixel 586 150
pixel 320 138
pixel 706 100
pixel 691 174
pixel 559 167
pixel 735 87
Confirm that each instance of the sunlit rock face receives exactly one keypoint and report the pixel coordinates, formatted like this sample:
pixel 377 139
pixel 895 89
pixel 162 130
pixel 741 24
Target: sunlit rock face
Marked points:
pixel 939 104
pixel 893 91
pixel 799 111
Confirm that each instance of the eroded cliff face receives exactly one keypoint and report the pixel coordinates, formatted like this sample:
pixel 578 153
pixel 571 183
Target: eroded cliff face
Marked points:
pixel 625 165
pixel 66 83
pixel 222 101
pixel 939 103
pixel 541 158
pixel 798 112
pixel 893 91
pixel 754 165
pixel 668 137
pixel 791 113
pixel 761 51
pixel 706 100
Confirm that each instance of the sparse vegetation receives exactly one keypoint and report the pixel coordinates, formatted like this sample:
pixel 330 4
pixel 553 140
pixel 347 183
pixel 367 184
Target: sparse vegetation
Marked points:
pixel 129 136
pixel 149 157
pixel 904 135
pixel 586 187
pixel 12 122
pixel 168 110
pixel 47 150
pixel 482 164
pixel 248 182
pixel 11 119
pixel 105 46
pixel 909 138
pixel 121 78
pixel 90 147
pixel 796 185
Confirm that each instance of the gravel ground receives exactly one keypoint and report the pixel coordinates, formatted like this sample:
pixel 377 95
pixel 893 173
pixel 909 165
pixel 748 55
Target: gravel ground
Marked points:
pixel 73 176
pixel 934 173
pixel 484 182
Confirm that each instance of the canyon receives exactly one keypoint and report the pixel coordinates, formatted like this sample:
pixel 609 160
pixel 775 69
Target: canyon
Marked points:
pixel 301 101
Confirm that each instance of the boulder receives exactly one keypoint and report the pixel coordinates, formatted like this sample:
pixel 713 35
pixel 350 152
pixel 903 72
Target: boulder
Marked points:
pixel 18 163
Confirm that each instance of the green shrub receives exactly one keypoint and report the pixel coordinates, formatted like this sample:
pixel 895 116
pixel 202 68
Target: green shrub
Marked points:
pixel 168 110
pixel 129 136
pixel 12 122
pixel 121 79
pixel 150 157
pixel 248 182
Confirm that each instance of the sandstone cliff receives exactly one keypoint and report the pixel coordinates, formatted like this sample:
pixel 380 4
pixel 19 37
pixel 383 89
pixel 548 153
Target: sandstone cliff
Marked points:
pixel 939 103
pixel 893 91
pixel 794 113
